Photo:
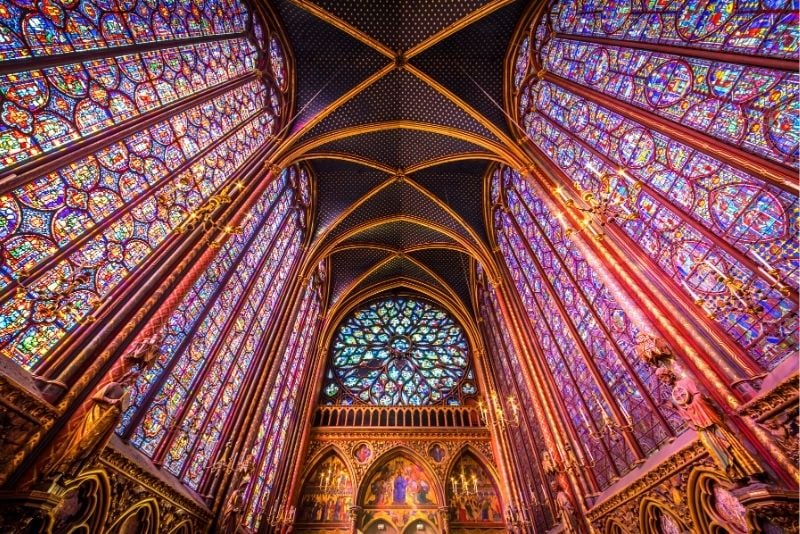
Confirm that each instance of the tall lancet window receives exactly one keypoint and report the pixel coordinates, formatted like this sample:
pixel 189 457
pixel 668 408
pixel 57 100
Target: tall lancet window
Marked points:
pixel 118 120
pixel 586 338
pixel 214 339
pixel 690 111
pixel 399 351
pixel 507 367
pixel 280 406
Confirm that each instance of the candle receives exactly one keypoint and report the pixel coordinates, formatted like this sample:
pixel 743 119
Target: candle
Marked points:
pixel 585 418
pixel 715 268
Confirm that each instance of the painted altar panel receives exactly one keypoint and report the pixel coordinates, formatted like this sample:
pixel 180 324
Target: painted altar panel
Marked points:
pixel 472 495
pixel 400 482
pixel 327 494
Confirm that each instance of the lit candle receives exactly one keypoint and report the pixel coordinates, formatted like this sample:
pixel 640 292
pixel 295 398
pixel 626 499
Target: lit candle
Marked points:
pixel 585 418
pixel 561 194
pixel 589 453
pixel 715 268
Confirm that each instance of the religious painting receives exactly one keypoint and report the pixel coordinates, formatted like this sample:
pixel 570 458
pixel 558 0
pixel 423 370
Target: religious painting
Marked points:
pixel 362 453
pixel 327 494
pixel 472 494
pixel 399 483
pixel 437 453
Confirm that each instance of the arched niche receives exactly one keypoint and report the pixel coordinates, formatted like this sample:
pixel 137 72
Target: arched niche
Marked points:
pixel 85 505
pixel 714 509
pixel 614 527
pixel 473 496
pixel 398 488
pixel 141 518
pixel 420 525
pixel 327 493
pixel 657 518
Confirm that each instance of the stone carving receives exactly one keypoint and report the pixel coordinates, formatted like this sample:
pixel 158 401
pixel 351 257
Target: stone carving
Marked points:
pixel 89 437
pixel 725 448
pixel 566 511
pixel 232 510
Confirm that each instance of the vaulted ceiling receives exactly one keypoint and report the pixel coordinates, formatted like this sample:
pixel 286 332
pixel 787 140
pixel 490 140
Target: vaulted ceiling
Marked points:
pixel 399 115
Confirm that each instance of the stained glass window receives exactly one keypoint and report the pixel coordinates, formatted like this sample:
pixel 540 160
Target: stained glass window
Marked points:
pixel 605 103
pixel 280 405
pixel 526 439
pixel 195 388
pixel 126 146
pixel 399 351
pixel 586 337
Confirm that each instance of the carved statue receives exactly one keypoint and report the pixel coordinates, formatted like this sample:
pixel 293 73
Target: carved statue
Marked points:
pixel 726 450
pixel 91 435
pixel 652 350
pixel 231 515
pixel 566 511
pixel 548 466
pixel 145 353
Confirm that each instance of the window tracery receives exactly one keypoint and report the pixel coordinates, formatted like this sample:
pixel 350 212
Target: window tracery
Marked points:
pixel 612 81
pixel 399 351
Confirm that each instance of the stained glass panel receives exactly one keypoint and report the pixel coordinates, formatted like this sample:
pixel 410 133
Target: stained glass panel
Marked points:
pixel 399 351
pixel 100 218
pixel 697 216
pixel 52 107
pixel 271 438
pixel 28 31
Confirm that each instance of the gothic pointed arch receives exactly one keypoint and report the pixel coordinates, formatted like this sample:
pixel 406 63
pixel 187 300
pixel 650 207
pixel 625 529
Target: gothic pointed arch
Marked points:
pixel 656 517
pixel 141 518
pixel 400 478
pixel 473 492
pixel 86 504
pixel 328 491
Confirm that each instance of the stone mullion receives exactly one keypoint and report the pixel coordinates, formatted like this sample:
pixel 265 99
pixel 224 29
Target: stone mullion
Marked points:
pixel 498 435
pixel 608 396
pixel 277 348
pixel 272 504
pixel 749 367
pixel 712 55
pixel 82 56
pixel 647 295
pixel 98 355
pixel 298 434
pixel 177 297
pixel 50 162
pixel 582 483
pixel 729 249
pixel 497 342
pixel 576 441
pixel 620 356
pixel 64 252
pixel 166 442
pixel 316 373
pixel 257 365
pixel 514 459
pixel 55 367
pixel 539 379
pixel 249 414
pixel 651 301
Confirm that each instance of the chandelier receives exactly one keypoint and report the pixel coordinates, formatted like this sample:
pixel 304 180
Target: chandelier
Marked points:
pixel 738 297
pixel 204 216
pixel 614 202
pixel 504 416
pixel 608 426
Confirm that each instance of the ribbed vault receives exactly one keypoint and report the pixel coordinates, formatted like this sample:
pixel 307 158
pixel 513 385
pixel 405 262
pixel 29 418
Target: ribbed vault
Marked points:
pixel 399 120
